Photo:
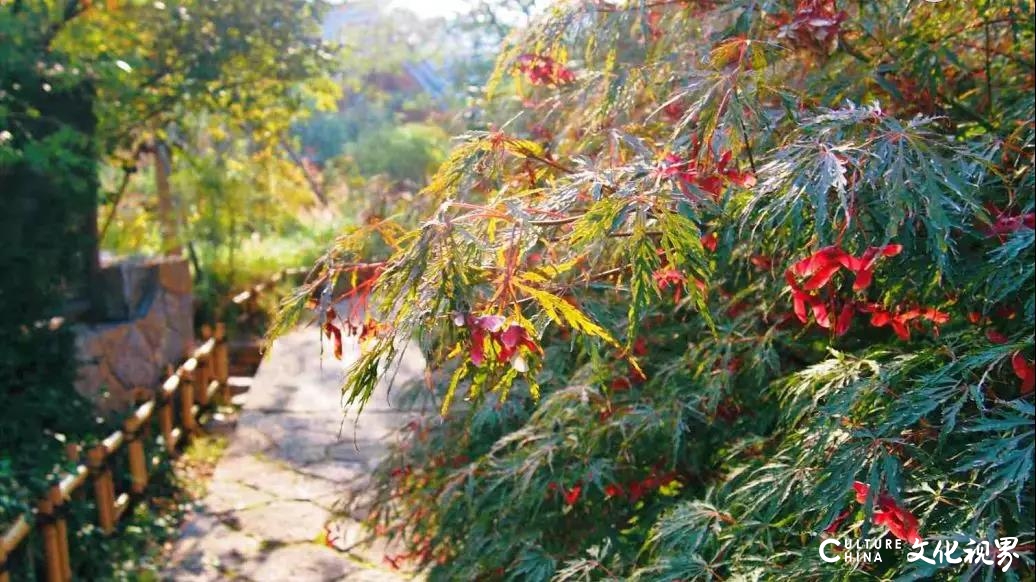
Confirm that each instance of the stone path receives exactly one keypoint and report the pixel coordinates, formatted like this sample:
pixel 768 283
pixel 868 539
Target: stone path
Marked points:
pixel 285 472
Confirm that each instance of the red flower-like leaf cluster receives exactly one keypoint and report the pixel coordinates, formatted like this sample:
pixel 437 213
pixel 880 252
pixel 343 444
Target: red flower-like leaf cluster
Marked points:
pixel 635 490
pixel 640 347
pixel 1005 223
pixel 822 265
pixel 628 381
pixel 815 24
pixel 1026 372
pixel 507 342
pixel 820 268
pixel 366 331
pixel 674 111
pixel 669 277
pixel 1002 314
pixel 710 242
pixel 544 70
pixel 887 512
pixel 901 321
pixel 762 262
pixel 332 332
pixel 689 173
pixel 570 496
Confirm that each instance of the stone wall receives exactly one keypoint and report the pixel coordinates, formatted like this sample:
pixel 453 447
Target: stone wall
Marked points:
pixel 147 324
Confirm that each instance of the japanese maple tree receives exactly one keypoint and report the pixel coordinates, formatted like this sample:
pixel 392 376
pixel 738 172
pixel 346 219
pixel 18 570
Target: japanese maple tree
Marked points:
pixel 726 279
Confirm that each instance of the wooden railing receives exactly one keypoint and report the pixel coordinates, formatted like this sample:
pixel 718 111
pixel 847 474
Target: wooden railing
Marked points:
pixel 246 301
pixel 199 382
pixel 176 407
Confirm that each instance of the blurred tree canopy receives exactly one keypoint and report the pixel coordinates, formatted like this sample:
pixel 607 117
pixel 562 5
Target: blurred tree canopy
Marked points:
pixel 255 65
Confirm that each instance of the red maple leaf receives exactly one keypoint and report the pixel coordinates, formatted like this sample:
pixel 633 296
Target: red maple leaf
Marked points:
pixel 710 241
pixel 837 523
pixel 640 347
pixel 572 495
pixel 1005 223
pixel 544 70
pixel 887 512
pixel 669 277
pixel 1025 371
pixel 845 319
pixel 996 337
pixel 513 338
pixel 332 331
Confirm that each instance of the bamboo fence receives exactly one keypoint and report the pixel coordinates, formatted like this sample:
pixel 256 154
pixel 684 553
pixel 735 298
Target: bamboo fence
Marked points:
pixel 194 387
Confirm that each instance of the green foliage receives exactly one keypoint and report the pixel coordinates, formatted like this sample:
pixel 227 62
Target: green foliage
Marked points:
pixel 409 152
pixel 48 170
pixel 759 370
pixel 254 64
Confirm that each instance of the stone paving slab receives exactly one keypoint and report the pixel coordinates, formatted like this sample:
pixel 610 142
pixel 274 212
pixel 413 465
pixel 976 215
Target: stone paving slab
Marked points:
pixel 293 456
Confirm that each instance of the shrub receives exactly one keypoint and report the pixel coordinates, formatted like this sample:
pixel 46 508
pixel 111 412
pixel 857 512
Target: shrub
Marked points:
pixel 408 152
pixel 734 278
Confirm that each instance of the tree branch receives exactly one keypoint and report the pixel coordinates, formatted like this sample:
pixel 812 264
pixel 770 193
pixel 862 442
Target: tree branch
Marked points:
pixel 315 186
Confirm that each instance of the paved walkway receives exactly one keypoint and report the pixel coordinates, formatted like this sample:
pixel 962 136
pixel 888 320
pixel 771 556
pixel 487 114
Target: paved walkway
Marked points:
pixel 292 459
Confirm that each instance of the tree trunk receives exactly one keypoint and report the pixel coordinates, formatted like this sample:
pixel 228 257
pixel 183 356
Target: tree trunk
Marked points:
pixel 167 215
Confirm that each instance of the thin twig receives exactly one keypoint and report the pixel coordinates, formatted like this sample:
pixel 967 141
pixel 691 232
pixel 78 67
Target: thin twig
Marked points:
pixel 126 173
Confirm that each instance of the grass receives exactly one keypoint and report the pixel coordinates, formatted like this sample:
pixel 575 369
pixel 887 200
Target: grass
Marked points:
pixel 195 466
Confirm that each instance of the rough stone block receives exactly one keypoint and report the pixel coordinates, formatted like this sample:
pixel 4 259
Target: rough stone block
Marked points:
pixel 152 328
pixel 178 317
pixel 152 302
pixel 134 363
pixel 174 275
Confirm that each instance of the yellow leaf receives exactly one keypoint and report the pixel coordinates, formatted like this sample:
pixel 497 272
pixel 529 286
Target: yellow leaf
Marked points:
pixel 524 148
pixel 447 400
pixel 564 313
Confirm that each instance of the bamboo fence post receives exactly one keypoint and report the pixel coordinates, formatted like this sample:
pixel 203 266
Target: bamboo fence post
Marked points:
pixel 187 402
pixel 204 372
pixel 46 522
pixel 135 451
pixel 104 488
pixel 221 361
pixel 61 529
pixel 165 419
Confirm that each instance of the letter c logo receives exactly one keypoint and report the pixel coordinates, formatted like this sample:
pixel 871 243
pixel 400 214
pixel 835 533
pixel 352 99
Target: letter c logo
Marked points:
pixel 824 556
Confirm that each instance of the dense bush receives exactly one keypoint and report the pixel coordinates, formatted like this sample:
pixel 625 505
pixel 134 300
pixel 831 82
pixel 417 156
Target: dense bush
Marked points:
pixel 407 152
pixel 732 278
pixel 48 181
